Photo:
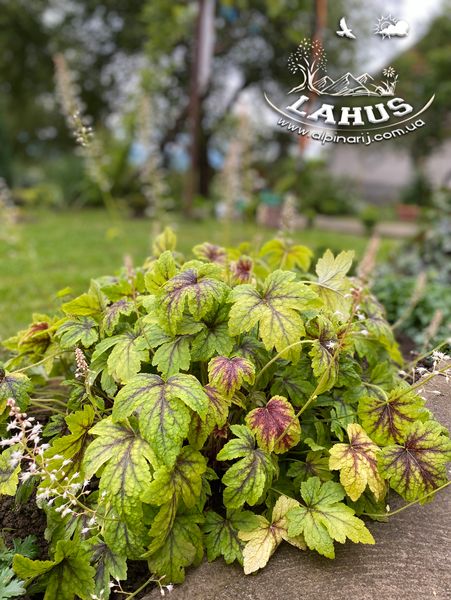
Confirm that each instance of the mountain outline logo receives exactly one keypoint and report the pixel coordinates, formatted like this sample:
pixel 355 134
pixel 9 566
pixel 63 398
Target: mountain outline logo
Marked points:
pixel 309 60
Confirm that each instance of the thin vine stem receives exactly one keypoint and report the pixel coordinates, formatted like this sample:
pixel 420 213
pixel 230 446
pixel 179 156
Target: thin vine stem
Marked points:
pixel 41 362
pixel 280 354
pixel 398 510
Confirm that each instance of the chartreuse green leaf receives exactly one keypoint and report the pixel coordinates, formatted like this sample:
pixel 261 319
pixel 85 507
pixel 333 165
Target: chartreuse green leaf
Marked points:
pixel 197 288
pixel 166 241
pixel 275 309
pixel 108 566
pixel 387 417
pixel 221 534
pixel 248 478
pixel 86 305
pixel 113 313
pixel 324 354
pixel 331 273
pixel 9 472
pixel 323 518
pixel 160 272
pixel 217 413
pixel 130 350
pixel 164 410
pixel 213 337
pixel 126 459
pixel 275 426
pixel 229 374
pixel 67 576
pixel 183 481
pixel 70 447
pixel 416 465
pixel 283 254
pixel 82 330
pixel 263 541
pixel 181 548
pixel 173 355
pixel 16 386
pixel 357 463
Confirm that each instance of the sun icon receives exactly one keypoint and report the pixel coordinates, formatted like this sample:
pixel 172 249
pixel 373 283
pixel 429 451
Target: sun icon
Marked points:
pixel 388 27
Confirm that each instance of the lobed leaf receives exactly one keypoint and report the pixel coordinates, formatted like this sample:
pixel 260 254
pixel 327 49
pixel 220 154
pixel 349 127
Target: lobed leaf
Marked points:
pixel 357 463
pixel 275 426
pixel 247 479
pixel 196 288
pixel 229 374
pixel 182 482
pixel 417 464
pixel 221 534
pixel 68 575
pixel 323 518
pixel 163 406
pixel 275 309
pixel 263 540
pixel 386 419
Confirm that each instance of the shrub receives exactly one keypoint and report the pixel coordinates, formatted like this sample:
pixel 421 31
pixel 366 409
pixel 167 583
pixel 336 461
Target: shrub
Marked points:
pixel 215 406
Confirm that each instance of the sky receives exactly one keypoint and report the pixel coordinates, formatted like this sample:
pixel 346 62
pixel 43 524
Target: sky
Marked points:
pixel 418 13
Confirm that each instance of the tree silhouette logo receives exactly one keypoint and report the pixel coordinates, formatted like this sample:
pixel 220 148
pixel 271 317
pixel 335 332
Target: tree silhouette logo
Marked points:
pixel 309 63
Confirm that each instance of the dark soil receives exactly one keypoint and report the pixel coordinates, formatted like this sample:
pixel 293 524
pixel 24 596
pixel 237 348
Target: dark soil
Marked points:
pixel 23 520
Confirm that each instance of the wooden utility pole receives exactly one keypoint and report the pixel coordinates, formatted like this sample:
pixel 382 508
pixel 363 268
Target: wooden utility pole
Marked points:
pixel 200 75
pixel 319 26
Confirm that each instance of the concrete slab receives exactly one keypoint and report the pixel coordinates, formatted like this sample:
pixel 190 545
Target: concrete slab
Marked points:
pixel 411 559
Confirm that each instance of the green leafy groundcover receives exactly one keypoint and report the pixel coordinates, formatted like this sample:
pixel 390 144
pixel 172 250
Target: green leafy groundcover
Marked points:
pixel 214 406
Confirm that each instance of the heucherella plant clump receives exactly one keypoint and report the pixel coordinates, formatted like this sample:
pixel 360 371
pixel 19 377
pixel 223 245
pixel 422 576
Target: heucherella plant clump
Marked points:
pixel 210 407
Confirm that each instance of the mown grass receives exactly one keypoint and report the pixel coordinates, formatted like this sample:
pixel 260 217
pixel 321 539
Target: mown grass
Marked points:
pixel 59 250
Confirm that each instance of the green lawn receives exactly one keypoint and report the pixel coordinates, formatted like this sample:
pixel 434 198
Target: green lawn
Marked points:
pixel 57 250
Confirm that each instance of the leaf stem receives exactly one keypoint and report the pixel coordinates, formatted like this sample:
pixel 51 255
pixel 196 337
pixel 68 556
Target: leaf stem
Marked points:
pixel 280 354
pixel 40 362
pixel 424 355
pixel 391 514
pixel 376 387
pixel 49 408
pixel 141 588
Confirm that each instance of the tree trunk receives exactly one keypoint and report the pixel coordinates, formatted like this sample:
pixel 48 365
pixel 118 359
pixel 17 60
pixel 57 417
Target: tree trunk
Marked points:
pixel 202 51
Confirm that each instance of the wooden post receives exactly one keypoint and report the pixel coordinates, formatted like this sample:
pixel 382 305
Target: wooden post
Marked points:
pixel 319 25
pixel 200 75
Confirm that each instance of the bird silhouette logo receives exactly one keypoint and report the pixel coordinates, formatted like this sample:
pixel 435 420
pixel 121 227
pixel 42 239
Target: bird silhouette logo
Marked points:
pixel 345 32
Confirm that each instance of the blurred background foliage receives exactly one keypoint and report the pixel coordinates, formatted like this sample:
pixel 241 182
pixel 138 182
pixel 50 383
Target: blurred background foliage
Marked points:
pixel 131 68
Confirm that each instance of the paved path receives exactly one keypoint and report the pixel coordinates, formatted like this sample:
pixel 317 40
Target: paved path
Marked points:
pixel 394 229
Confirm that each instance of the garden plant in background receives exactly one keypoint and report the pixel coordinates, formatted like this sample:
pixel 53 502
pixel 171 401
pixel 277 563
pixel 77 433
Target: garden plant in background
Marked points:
pixel 215 406
pixel 414 286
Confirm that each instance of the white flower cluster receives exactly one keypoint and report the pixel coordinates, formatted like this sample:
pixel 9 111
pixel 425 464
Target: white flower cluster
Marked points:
pixel 56 481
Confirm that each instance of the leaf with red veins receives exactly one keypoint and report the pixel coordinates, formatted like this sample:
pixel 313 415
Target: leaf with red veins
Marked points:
pixel 242 269
pixel 386 419
pixel 357 463
pixel 270 422
pixel 229 374
pixel 197 288
pixel 210 253
pixel 417 465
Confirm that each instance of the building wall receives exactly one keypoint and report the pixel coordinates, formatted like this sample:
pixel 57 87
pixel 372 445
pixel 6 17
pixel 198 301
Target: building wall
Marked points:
pixel 380 172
